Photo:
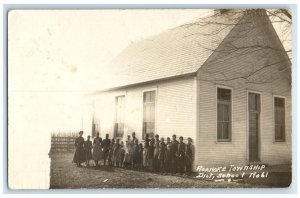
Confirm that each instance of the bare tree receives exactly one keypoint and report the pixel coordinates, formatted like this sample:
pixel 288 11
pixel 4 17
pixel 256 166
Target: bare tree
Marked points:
pixel 247 44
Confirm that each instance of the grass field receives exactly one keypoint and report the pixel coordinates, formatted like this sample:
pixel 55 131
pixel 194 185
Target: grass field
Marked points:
pixel 65 174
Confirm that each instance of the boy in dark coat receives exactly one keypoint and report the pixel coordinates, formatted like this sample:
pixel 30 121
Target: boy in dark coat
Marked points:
pixel 105 145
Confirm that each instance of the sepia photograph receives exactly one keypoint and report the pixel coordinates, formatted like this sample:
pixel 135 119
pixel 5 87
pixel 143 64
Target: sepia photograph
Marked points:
pixel 149 98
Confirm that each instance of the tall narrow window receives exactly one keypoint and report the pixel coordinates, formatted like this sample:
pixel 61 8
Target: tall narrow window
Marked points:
pixel 279 111
pixel 119 119
pixel 224 115
pixel 149 113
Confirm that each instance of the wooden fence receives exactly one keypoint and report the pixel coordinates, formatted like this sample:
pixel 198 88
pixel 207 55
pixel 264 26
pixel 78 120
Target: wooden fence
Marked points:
pixel 63 142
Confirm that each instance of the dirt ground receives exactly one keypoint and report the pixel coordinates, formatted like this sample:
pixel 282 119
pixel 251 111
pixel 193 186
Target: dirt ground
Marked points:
pixel 65 174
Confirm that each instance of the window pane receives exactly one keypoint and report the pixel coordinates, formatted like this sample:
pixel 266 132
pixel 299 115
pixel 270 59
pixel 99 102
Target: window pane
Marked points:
pixel 226 112
pixel 120 130
pixel 152 112
pixel 279 102
pixel 220 129
pixel 279 116
pixel 149 128
pixel 152 96
pixel 224 94
pixel 147 112
pixel 220 112
pixel 146 97
pixel 225 130
pixel 278 132
pixel 253 101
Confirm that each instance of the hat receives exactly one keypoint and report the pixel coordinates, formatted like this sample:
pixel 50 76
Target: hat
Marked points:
pixel 80 132
pixel 156 135
pixel 180 137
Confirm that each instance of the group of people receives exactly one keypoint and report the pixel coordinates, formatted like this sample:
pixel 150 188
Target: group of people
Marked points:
pixel 152 154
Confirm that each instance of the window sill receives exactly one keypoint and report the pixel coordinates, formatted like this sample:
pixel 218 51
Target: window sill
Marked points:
pixel 223 142
pixel 279 141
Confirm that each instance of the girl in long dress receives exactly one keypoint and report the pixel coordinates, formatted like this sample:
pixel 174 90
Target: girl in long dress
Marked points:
pixel 79 156
pixel 117 153
pixel 97 149
pixel 128 155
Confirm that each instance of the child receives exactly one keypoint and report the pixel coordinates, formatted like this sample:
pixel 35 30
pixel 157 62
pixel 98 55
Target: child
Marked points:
pixel 135 154
pixel 116 153
pixel 168 157
pixel 128 155
pixel 122 154
pixel 97 150
pixel 151 155
pixel 110 152
pixel 140 164
pixel 88 150
pixel 161 156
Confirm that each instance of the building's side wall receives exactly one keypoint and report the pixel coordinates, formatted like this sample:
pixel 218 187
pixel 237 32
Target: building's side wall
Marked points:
pixel 262 70
pixel 175 108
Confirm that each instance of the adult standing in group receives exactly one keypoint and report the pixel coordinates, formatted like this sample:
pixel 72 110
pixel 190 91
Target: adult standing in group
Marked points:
pixel 174 149
pixel 189 156
pixel 181 155
pixel 79 156
pixel 105 146
pixel 133 138
pixel 97 150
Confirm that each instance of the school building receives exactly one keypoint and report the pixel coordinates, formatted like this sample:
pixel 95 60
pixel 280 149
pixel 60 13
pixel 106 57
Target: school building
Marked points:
pixel 223 80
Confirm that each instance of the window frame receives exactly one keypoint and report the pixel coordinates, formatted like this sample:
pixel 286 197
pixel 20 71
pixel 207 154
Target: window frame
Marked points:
pixel 155 111
pixel 274 117
pixel 229 140
pixel 115 132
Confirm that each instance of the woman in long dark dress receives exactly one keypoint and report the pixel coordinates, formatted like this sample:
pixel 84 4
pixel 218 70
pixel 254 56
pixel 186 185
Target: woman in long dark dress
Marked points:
pixel 79 156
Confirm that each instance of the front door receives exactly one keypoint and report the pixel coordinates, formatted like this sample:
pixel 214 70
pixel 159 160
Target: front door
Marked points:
pixel 254 114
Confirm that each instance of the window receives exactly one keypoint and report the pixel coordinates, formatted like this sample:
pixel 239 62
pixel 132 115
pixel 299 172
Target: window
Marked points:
pixel 149 113
pixel 119 119
pixel 279 111
pixel 224 115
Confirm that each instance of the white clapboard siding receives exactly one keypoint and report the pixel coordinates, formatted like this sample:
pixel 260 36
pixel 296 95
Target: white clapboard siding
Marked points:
pixel 269 82
pixel 175 108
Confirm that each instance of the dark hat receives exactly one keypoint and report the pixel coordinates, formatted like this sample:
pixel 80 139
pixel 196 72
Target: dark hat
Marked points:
pixel 156 135
pixel 133 133
pixel 80 132
pixel 173 135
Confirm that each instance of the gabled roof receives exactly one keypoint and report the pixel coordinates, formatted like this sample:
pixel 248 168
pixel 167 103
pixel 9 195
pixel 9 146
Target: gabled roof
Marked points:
pixel 178 51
